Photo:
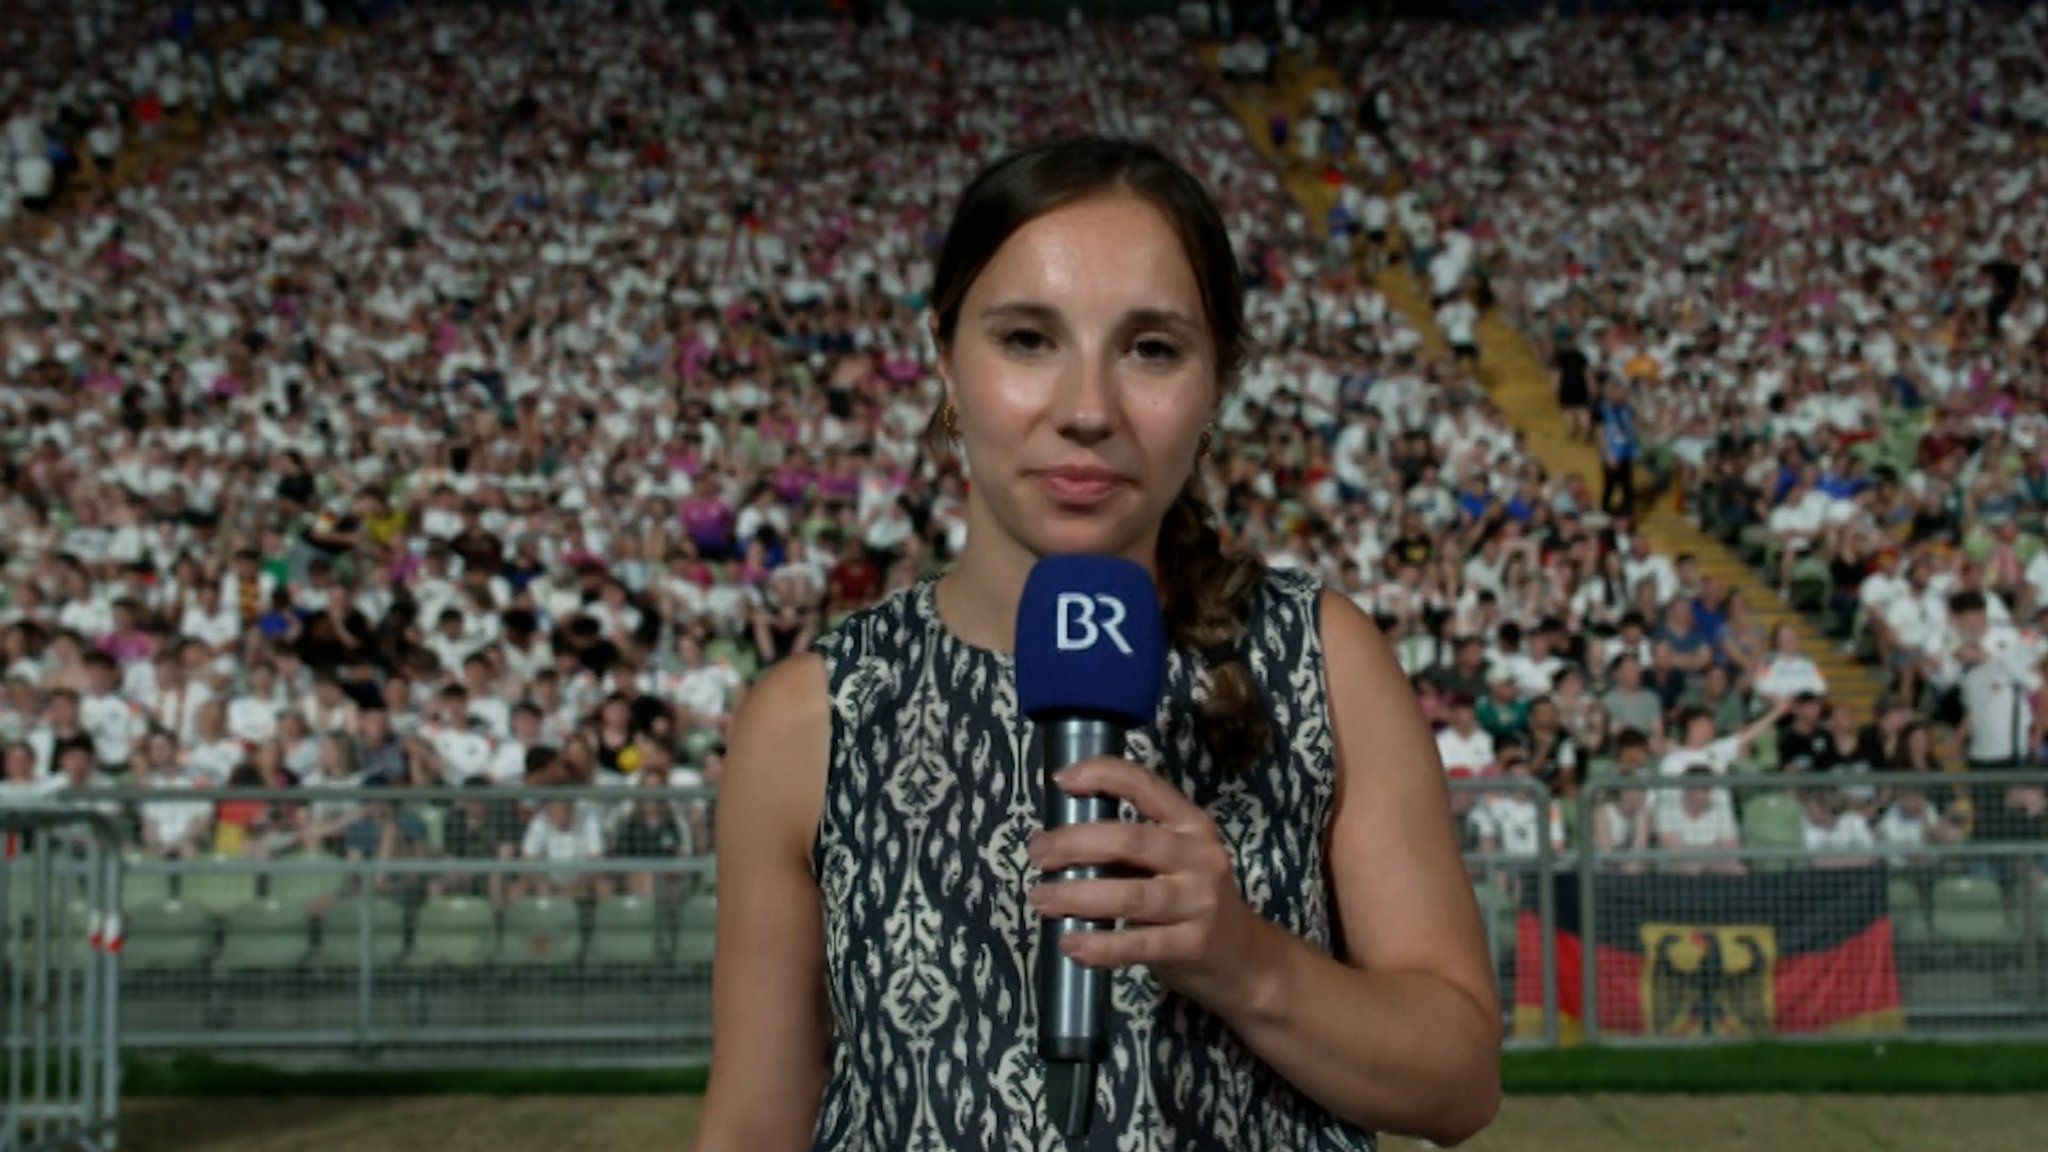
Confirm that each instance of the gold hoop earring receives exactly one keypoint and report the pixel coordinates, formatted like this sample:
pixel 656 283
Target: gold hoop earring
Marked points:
pixel 949 419
pixel 1208 441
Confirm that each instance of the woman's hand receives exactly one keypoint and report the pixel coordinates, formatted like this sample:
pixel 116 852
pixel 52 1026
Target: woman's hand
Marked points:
pixel 1184 914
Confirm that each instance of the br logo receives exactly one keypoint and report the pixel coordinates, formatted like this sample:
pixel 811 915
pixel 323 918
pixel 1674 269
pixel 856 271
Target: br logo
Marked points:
pixel 1079 630
pixel 1709 979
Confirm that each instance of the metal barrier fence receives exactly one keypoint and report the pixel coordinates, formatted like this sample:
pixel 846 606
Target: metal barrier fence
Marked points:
pixel 60 933
pixel 414 926
pixel 1616 915
pixel 1513 846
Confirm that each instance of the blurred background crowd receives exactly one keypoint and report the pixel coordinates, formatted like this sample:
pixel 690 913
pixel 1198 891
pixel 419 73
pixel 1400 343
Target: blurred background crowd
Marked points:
pixel 480 395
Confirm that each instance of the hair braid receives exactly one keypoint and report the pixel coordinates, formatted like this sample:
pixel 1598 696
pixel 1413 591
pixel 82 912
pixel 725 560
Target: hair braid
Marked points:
pixel 1207 603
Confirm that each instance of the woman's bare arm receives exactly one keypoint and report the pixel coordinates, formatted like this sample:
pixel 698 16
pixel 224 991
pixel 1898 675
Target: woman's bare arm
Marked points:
pixel 1403 1033
pixel 770 1026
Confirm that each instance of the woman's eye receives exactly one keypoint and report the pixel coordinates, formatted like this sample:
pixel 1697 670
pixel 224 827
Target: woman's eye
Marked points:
pixel 1153 350
pixel 1025 340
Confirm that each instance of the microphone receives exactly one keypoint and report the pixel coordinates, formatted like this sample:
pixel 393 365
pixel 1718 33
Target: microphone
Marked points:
pixel 1090 659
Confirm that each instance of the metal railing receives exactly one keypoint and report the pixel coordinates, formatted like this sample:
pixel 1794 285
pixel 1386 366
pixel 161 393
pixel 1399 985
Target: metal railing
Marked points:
pixel 428 948
pixel 60 935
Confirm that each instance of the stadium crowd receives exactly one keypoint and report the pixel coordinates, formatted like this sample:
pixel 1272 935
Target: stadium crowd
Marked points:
pixel 1795 266
pixel 491 406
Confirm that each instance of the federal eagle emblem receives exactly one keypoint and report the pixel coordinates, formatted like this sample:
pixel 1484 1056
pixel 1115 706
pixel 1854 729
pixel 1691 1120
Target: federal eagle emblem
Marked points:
pixel 1709 979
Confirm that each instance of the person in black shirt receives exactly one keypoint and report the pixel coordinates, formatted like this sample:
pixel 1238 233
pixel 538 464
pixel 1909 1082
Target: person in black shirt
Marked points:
pixel 479 827
pixel 650 832
pixel 1804 745
pixel 1414 545
pixel 1574 391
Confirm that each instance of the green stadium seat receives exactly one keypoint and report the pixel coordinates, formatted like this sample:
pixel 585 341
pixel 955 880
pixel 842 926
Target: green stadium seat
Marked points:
pixel 1497 909
pixel 454 932
pixel 1810 583
pixel 171 935
pixel 1909 912
pixel 218 892
pixel 542 930
pixel 696 929
pixel 298 889
pixel 1772 820
pixel 341 934
pixel 623 931
pixel 264 935
pixel 145 889
pixel 1971 910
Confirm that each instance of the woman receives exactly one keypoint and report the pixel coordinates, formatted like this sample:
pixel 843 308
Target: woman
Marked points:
pixel 1088 314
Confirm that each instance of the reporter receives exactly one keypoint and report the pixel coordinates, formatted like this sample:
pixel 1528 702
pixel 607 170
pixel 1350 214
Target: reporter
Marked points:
pixel 1302 961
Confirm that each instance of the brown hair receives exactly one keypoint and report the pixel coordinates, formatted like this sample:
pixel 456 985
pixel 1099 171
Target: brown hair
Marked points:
pixel 1206 587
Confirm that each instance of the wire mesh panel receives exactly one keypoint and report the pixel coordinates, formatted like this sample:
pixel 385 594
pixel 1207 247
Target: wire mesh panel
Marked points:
pixel 60 935
pixel 1513 833
pixel 1719 908
pixel 437 927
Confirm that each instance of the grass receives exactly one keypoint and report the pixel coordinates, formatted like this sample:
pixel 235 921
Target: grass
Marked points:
pixel 1919 1067
pixel 1598 1123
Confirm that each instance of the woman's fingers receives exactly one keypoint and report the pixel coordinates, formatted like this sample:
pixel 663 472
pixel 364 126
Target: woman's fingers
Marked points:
pixel 1155 798
pixel 1142 847
pixel 1137 900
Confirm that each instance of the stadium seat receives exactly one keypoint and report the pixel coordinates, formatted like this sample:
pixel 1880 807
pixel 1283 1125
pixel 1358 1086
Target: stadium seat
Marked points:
pixel 1772 821
pixel 297 889
pixel 1811 580
pixel 454 932
pixel 624 931
pixel 1764 749
pixel 696 928
pixel 264 935
pixel 542 930
pixel 1971 910
pixel 171 935
pixel 341 929
pixel 219 893
pixel 140 889
pixel 1909 912
pixel 1497 908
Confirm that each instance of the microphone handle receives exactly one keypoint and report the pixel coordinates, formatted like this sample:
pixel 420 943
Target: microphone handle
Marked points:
pixel 1073 1000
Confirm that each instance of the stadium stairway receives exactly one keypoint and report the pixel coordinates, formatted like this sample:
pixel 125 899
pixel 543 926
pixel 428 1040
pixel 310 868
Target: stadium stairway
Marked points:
pixel 1521 387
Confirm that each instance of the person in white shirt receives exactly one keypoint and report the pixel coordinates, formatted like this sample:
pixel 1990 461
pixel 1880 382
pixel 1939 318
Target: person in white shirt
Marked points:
pixel 508 759
pixel 1995 672
pixel 1787 671
pixel 1830 826
pixel 110 717
pixel 1697 820
pixel 1463 743
pixel 1912 821
pixel 563 832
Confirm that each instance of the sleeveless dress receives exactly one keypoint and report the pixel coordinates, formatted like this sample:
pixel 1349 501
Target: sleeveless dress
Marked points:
pixel 930 946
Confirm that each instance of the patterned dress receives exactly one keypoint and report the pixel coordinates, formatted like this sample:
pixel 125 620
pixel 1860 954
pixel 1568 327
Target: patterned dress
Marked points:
pixel 930 945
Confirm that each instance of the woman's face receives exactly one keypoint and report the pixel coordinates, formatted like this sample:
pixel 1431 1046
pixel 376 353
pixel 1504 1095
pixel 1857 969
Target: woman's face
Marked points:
pixel 1083 372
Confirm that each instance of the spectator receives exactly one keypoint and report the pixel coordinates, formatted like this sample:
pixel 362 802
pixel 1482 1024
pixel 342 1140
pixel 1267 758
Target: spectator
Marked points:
pixel 1831 827
pixel 562 832
pixel 1698 819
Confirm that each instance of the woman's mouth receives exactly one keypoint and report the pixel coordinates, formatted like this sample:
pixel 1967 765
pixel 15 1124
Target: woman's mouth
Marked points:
pixel 1079 486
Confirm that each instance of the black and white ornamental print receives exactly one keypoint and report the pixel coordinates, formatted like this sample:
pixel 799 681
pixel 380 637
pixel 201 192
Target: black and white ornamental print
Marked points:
pixel 930 943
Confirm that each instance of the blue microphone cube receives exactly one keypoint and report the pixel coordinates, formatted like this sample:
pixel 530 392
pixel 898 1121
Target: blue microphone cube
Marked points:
pixel 1090 640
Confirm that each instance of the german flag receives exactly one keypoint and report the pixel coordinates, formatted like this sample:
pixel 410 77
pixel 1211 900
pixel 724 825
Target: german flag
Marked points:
pixel 1774 953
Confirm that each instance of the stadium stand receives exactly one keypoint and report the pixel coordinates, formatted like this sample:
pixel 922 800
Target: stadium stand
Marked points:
pixel 1797 259
pixel 485 401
